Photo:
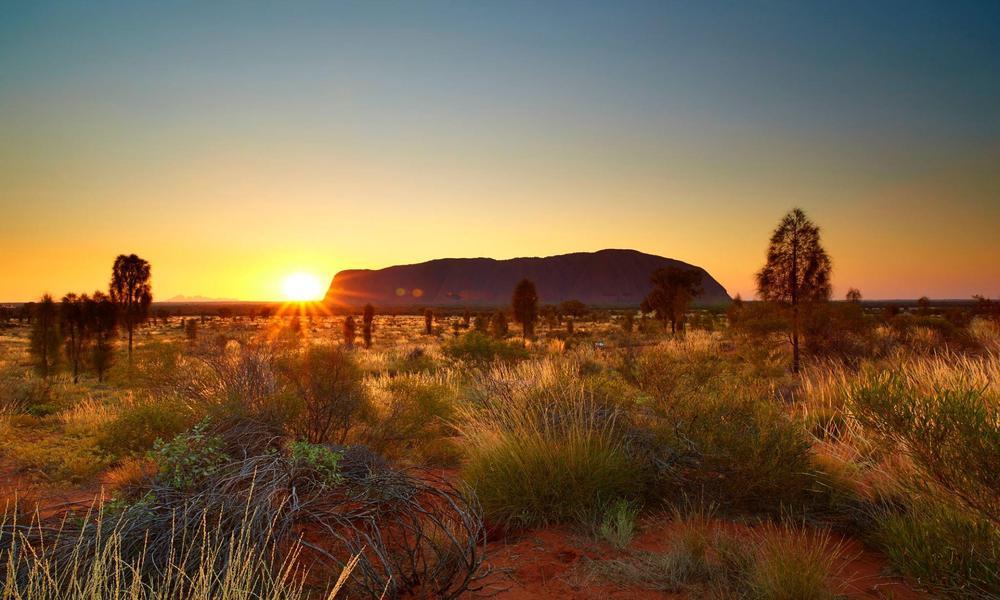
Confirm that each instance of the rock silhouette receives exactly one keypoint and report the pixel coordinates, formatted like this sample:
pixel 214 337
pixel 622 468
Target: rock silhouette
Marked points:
pixel 607 278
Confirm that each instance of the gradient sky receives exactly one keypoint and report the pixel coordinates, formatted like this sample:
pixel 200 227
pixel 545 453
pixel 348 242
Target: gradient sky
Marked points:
pixel 233 143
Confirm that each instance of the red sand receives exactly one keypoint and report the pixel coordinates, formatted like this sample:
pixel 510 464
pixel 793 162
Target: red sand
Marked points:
pixel 547 563
pixel 552 563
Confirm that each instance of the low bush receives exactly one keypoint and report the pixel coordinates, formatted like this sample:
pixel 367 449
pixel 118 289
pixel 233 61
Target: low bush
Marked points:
pixel 190 458
pixel 618 524
pixel 776 563
pixel 739 453
pixel 410 417
pixel 951 434
pixel 136 428
pixel 950 553
pixel 61 459
pixel 323 460
pixel 19 392
pixel 536 478
pixel 541 448
pixel 476 347
pixel 410 536
pixel 415 360
pixel 330 399
pixel 680 371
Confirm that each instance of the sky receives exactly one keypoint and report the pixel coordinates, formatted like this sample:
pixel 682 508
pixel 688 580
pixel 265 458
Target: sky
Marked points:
pixel 234 143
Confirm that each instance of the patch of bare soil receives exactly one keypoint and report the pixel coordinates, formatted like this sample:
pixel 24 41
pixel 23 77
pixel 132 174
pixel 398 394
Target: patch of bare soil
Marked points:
pixel 555 563
pixel 30 493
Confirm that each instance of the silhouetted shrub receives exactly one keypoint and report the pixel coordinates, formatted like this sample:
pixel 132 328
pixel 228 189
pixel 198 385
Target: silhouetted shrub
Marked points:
pixel 327 386
pixel 368 321
pixel 498 324
pixel 350 331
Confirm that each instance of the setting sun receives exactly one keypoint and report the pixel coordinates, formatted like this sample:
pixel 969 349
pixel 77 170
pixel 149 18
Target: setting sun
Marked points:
pixel 302 287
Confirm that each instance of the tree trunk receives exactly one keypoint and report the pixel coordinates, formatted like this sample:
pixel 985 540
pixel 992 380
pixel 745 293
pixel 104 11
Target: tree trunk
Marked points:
pixel 130 343
pixel 795 303
pixel 795 339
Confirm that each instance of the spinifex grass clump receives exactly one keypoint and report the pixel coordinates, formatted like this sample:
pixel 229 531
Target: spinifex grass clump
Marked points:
pixel 741 453
pixel 409 534
pixel 543 450
pixel 618 523
pixel 774 562
pixel 101 557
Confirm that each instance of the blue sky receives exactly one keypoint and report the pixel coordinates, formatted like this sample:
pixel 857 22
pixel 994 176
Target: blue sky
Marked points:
pixel 499 129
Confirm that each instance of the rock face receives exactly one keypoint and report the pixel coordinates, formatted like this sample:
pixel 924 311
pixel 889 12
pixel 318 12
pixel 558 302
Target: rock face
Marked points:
pixel 611 278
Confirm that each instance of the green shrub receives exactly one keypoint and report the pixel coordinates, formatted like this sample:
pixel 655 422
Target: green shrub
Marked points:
pixel 739 453
pixel 618 524
pixel 476 347
pixel 190 457
pixel 322 459
pixel 136 429
pixel 330 398
pixel 950 553
pixel 409 414
pixel 951 435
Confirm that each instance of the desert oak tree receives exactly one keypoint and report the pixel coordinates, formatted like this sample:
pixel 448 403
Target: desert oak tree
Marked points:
pixel 797 271
pixel 673 291
pixel 525 305
pixel 131 292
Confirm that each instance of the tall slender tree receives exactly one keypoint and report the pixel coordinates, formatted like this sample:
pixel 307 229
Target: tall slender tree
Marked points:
pixel 45 335
pixel 924 305
pixel 105 324
pixel 131 292
pixel 350 331
pixel 368 322
pixel 76 314
pixel 797 272
pixel 499 324
pixel 428 321
pixel 525 305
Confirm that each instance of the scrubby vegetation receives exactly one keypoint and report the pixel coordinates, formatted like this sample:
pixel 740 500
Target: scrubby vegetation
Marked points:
pixel 289 429
pixel 275 458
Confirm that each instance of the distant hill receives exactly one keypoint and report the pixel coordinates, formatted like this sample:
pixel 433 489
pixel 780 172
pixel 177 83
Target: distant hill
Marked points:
pixel 181 298
pixel 613 278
